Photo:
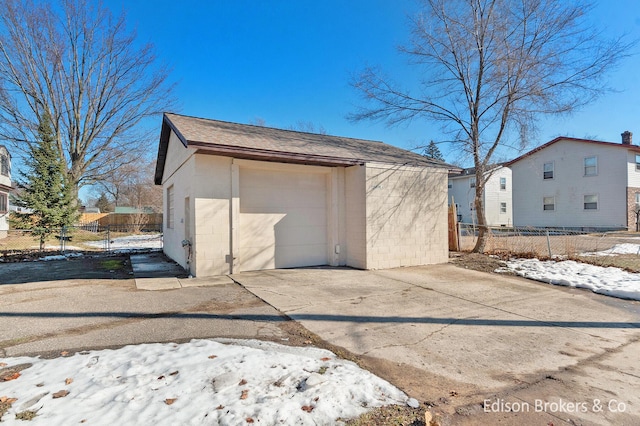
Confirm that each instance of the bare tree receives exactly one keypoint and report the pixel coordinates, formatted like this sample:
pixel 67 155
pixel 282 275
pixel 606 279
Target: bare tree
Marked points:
pixel 132 185
pixel 489 69
pixel 80 65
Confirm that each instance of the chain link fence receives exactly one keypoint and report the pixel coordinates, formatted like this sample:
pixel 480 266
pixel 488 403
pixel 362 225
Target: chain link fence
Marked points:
pixel 615 248
pixel 82 238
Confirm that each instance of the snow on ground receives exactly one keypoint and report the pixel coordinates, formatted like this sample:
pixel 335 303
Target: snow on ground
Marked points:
pixel 625 248
pixel 204 382
pixel 609 281
pixel 131 242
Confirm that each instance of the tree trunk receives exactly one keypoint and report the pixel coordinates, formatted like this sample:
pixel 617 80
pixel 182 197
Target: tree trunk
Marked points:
pixel 483 231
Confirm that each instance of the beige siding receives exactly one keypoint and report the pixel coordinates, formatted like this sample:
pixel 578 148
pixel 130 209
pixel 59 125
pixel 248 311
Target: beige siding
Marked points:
pixel 570 185
pixel 211 212
pixel 356 216
pixel 406 216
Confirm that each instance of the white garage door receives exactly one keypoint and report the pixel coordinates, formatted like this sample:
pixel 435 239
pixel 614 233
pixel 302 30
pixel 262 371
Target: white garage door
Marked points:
pixel 283 219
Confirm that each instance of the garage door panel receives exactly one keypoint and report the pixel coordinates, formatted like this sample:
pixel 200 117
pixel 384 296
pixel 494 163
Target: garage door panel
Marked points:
pixel 283 219
pixel 297 256
pixel 302 236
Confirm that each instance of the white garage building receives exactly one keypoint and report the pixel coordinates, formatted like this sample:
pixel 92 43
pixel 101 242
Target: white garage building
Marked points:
pixel 241 198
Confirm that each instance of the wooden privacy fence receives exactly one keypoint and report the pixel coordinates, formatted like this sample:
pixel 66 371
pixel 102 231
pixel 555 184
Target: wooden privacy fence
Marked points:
pixel 138 220
pixel 454 230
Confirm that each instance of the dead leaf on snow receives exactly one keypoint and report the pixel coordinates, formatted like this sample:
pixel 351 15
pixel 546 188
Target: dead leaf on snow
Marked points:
pixel 213 356
pixel 326 358
pixel 10 377
pixel 68 381
pixel 245 394
pixel 170 401
pixel 64 353
pixel 307 408
pixel 249 420
pixel 3 364
pixel 6 399
pixel 220 407
pixel 161 377
pixel 242 382
pixel 174 373
pixel 60 394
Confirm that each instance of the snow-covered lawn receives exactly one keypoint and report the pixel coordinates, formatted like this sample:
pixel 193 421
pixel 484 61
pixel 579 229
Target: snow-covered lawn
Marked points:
pixel 204 382
pixel 624 248
pixel 131 242
pixel 609 281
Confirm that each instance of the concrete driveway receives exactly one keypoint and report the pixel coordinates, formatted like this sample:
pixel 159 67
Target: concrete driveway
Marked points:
pixel 480 348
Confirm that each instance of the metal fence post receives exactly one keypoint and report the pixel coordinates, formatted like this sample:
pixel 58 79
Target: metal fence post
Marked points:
pixel 549 244
pixel 108 242
pixel 63 238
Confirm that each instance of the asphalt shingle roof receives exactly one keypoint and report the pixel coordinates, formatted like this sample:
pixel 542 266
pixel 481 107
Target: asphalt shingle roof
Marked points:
pixel 270 144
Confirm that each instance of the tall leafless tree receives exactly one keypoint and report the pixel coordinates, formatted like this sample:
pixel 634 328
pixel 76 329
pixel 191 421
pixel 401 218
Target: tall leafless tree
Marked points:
pixel 76 62
pixel 489 69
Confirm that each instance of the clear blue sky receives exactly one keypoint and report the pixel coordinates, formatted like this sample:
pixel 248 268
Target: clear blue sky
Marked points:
pixel 285 61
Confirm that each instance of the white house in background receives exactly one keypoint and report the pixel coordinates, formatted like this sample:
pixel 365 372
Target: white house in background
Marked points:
pixel 496 196
pixel 5 188
pixel 240 198
pixel 577 183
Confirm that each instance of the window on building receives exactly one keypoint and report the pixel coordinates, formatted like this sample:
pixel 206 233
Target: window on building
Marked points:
pixel 472 182
pixel 503 184
pixel 591 166
pixel 637 161
pixel 471 205
pixel 450 185
pixel 3 203
pixel 637 207
pixel 503 207
pixel 170 207
pixel 4 165
pixel 591 202
pixel 548 203
pixel 548 171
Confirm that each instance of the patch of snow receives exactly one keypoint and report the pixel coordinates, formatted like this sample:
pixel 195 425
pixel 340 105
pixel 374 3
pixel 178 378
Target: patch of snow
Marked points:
pixel 625 248
pixel 608 281
pixel 59 256
pixel 130 242
pixel 200 382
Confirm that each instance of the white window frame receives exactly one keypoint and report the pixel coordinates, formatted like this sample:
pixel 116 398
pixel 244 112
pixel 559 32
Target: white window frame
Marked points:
pixel 637 162
pixel 545 203
pixel 637 200
pixel 170 207
pixel 503 207
pixel 585 202
pixel 4 203
pixel 449 184
pixel 552 171
pixel 503 183
pixel 587 169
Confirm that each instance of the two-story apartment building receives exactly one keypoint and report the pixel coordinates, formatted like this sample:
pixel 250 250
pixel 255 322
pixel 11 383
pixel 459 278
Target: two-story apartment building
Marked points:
pixel 497 197
pixel 578 184
pixel 5 188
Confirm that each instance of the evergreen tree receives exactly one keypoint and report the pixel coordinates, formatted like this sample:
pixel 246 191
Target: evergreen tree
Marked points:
pixel 104 204
pixel 433 151
pixel 46 190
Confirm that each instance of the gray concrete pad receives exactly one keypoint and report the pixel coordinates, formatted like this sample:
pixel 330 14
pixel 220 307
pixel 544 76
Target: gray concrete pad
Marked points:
pixel 154 271
pixel 490 332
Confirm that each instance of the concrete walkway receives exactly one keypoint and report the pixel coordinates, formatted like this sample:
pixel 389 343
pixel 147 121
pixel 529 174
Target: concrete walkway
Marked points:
pixel 154 271
pixel 484 337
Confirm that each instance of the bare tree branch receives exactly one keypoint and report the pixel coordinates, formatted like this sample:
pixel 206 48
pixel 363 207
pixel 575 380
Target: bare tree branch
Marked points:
pixel 79 64
pixel 490 69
